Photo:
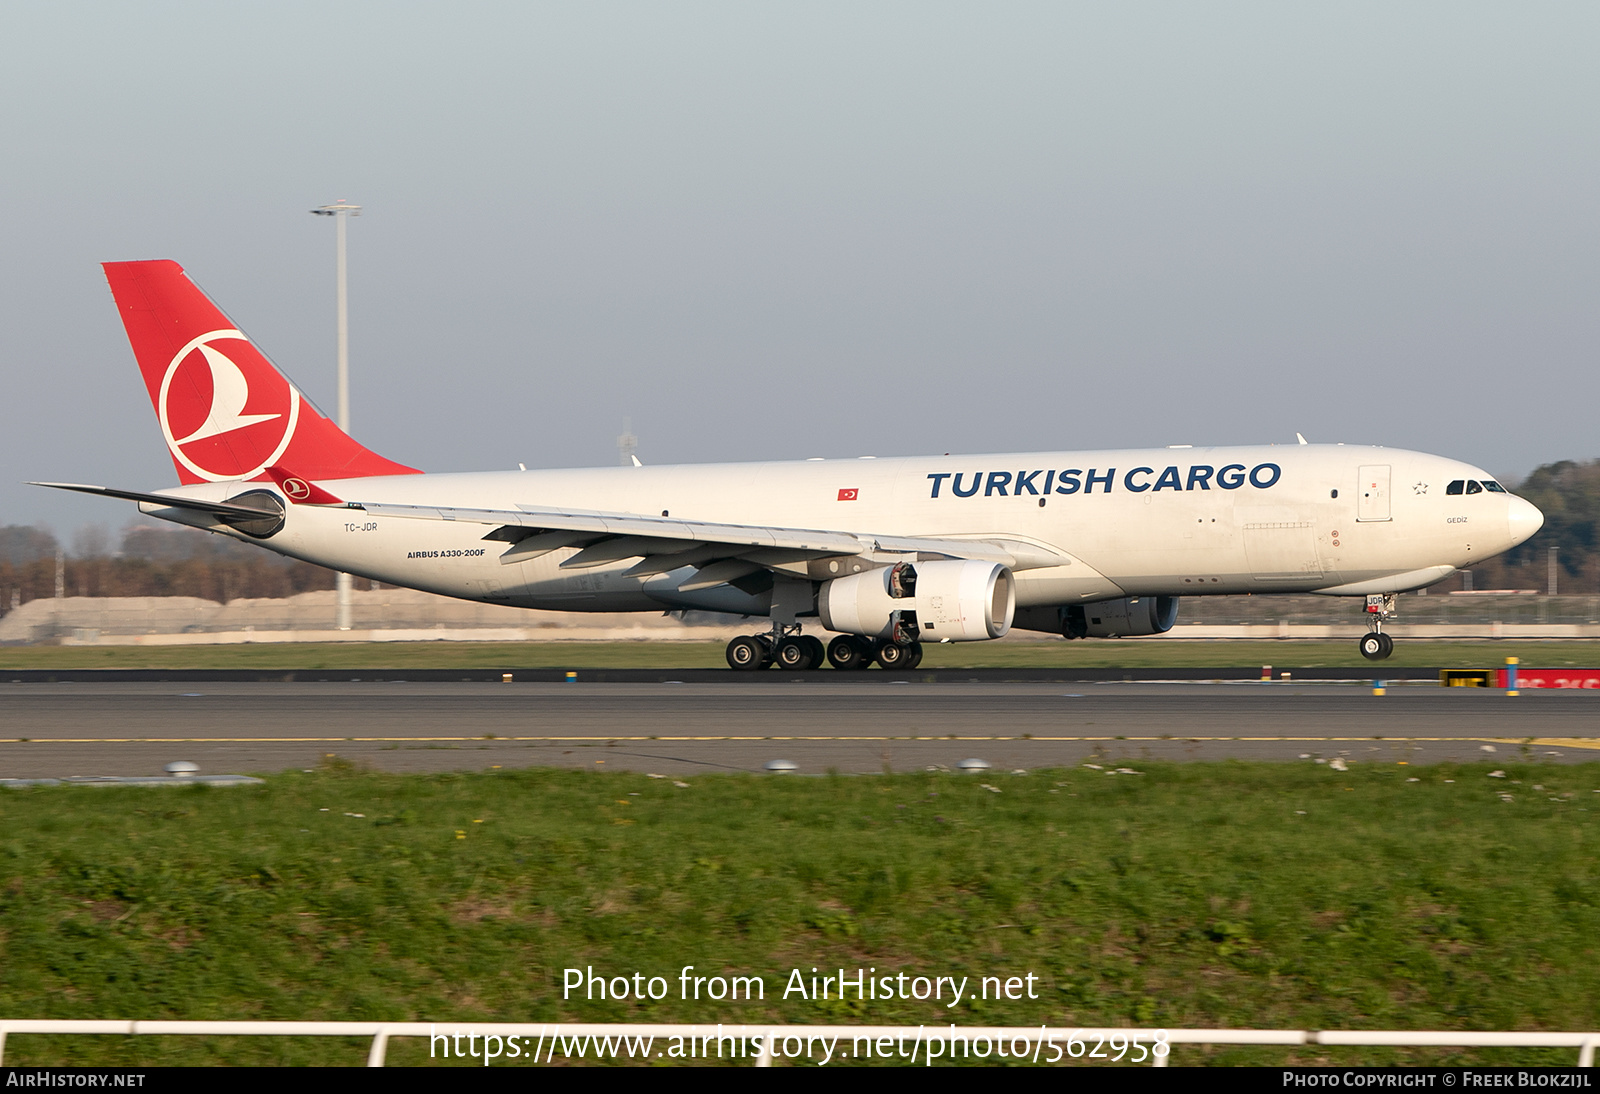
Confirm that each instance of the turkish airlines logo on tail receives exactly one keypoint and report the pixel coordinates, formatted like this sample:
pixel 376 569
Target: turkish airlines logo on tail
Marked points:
pixel 219 421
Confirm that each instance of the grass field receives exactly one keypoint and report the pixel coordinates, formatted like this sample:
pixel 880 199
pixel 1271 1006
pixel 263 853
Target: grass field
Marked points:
pixel 1187 895
pixel 1286 654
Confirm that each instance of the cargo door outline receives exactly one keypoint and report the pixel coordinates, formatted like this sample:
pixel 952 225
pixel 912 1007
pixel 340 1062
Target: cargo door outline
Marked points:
pixel 1281 550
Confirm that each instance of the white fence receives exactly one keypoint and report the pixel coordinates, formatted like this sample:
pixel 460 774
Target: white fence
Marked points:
pixel 773 1040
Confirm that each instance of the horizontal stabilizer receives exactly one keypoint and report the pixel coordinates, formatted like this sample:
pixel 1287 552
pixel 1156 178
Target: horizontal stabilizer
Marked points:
pixel 219 508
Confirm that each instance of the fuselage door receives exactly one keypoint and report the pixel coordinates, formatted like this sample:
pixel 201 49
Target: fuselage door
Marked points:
pixel 1372 494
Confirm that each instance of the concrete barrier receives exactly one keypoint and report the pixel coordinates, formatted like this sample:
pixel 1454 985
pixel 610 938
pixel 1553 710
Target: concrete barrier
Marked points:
pixel 384 615
pixel 405 615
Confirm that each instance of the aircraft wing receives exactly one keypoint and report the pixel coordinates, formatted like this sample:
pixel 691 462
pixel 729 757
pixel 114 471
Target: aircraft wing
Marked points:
pixel 720 552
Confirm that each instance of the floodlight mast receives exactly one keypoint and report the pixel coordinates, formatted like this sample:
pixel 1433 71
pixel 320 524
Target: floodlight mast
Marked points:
pixel 627 444
pixel 341 211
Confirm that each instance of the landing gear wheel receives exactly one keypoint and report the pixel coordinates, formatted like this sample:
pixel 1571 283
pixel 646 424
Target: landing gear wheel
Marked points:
pixel 893 656
pixel 819 655
pixel 916 655
pixel 746 654
pixel 794 653
pixel 1376 646
pixel 849 652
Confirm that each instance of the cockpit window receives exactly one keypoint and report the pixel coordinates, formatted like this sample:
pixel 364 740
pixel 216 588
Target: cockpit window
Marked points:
pixel 1456 487
pixel 1473 488
pixel 1493 487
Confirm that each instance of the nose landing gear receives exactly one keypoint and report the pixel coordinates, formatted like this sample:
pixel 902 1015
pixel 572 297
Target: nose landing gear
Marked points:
pixel 1375 645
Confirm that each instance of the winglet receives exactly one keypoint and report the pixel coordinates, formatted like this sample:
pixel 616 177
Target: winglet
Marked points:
pixel 301 491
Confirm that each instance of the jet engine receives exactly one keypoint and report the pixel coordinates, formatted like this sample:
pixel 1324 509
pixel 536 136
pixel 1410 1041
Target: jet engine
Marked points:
pixel 962 601
pixel 1127 617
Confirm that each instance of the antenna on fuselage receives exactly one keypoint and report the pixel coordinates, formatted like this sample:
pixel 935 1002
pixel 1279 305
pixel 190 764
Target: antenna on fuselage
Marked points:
pixel 1301 438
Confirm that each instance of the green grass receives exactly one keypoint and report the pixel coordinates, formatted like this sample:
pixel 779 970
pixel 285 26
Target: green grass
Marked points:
pixel 1286 654
pixel 1246 895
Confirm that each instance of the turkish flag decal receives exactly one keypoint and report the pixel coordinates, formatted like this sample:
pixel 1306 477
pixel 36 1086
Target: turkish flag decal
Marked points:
pixel 849 494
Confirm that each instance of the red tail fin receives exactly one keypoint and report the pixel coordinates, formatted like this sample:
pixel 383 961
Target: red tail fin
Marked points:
pixel 226 412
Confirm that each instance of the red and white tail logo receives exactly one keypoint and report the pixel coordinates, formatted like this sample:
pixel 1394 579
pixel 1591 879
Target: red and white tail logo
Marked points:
pixel 226 412
pixel 300 491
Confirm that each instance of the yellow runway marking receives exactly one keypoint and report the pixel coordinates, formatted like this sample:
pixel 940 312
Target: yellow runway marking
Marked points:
pixel 1556 742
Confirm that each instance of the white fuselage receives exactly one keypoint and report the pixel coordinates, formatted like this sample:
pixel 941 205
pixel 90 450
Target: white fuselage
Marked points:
pixel 1142 522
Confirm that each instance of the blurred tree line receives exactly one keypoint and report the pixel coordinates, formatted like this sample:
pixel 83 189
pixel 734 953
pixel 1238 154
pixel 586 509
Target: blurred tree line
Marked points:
pixel 177 561
pixel 149 561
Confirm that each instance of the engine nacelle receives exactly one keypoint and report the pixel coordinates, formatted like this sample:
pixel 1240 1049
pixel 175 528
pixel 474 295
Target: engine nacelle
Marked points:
pixel 1127 617
pixel 962 601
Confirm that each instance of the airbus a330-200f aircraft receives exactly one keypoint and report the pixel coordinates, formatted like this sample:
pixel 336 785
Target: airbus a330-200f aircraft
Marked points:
pixel 889 553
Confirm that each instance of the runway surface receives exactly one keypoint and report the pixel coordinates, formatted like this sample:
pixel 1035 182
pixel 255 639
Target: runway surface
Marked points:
pixel 129 728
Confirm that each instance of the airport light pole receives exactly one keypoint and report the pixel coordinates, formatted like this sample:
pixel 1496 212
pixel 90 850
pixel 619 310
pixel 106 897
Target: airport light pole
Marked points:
pixel 627 444
pixel 341 211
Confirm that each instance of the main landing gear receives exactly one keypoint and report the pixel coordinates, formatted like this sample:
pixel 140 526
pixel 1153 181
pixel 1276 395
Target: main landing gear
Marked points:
pixel 848 653
pixel 893 655
pixel 788 649
pixel 785 647
pixel 1375 645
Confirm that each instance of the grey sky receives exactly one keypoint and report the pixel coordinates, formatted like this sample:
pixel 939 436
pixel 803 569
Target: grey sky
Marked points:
pixel 815 229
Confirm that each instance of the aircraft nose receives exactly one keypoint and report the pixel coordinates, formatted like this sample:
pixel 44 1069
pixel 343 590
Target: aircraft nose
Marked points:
pixel 1524 519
